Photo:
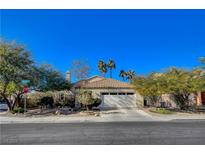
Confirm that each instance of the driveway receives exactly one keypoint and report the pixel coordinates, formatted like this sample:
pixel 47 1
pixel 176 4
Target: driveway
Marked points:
pixel 126 114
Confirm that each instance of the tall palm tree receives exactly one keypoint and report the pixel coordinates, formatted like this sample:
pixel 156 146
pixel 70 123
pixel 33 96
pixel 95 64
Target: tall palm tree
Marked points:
pixel 111 65
pixel 130 74
pixel 123 74
pixel 127 75
pixel 102 67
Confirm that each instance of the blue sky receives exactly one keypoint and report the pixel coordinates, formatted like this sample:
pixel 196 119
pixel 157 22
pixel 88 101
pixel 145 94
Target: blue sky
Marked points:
pixel 142 40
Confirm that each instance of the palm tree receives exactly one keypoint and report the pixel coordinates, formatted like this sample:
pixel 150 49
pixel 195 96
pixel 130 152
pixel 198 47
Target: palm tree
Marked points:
pixel 102 67
pixel 123 74
pixel 111 65
pixel 130 74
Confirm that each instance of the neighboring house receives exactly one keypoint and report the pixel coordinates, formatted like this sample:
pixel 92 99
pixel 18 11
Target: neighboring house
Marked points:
pixel 167 101
pixel 200 98
pixel 113 93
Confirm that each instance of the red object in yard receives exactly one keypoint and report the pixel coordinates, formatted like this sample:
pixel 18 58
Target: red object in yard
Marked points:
pixel 25 89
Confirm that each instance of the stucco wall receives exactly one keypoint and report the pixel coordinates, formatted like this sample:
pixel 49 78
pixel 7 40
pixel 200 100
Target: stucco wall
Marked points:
pixel 94 79
pixel 169 102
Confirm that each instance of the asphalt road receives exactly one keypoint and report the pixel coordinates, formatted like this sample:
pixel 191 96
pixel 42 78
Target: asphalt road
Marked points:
pixel 178 132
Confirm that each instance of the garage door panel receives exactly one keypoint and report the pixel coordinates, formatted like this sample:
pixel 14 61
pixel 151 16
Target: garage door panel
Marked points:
pixel 119 101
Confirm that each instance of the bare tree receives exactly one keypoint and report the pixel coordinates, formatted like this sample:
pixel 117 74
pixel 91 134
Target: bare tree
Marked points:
pixel 80 69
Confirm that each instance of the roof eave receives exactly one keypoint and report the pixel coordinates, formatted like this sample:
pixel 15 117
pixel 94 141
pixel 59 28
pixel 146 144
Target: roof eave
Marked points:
pixel 106 88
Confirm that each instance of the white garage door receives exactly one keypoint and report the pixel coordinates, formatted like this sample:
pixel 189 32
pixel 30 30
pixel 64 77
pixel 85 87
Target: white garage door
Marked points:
pixel 117 100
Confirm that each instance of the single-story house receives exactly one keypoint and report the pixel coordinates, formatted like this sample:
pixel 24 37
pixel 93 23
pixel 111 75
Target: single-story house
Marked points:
pixel 118 94
pixel 113 93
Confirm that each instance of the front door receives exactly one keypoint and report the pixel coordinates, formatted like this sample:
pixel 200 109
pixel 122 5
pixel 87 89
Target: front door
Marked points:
pixel 203 98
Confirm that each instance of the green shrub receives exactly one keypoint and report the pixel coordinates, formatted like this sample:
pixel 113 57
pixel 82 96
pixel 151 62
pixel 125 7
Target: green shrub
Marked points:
pixel 50 99
pixel 18 110
pixel 70 104
pixel 85 99
pixel 33 100
pixel 161 111
pixel 96 102
pixel 47 101
pixel 63 99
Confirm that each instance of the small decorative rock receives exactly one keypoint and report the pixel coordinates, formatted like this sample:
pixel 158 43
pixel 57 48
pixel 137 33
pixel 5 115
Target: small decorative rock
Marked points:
pixel 57 112
pixel 97 114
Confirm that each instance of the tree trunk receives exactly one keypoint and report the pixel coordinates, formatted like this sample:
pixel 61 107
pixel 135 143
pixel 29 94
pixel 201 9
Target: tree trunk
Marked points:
pixel 111 73
pixel 8 103
pixel 103 74
pixel 17 101
pixel 181 99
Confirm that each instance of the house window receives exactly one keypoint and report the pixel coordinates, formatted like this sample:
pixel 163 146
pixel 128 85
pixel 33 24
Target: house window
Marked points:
pixel 121 93
pixel 113 93
pixel 105 93
pixel 130 93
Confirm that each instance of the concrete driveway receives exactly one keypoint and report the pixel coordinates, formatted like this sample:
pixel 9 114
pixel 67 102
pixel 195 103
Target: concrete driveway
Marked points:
pixel 126 114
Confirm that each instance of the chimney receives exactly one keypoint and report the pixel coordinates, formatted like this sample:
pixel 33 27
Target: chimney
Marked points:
pixel 68 76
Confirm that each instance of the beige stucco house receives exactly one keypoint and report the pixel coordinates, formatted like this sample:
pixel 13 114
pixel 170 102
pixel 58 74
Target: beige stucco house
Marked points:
pixel 200 98
pixel 113 93
pixel 118 94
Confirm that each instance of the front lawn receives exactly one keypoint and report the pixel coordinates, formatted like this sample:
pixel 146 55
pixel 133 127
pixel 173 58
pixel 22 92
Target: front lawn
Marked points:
pixel 161 111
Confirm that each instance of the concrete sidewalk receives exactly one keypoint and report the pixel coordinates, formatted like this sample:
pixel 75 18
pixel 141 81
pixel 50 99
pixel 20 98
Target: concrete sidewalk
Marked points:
pixel 104 116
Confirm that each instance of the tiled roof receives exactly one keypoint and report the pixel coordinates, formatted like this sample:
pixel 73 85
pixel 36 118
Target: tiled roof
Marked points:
pixel 80 83
pixel 107 83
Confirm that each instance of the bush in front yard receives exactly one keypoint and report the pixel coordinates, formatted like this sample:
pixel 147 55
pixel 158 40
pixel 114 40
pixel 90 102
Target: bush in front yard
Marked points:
pixel 50 99
pixel 63 99
pixel 33 99
pixel 85 98
pixel 161 111
pixel 47 101
pixel 18 110
pixel 96 102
